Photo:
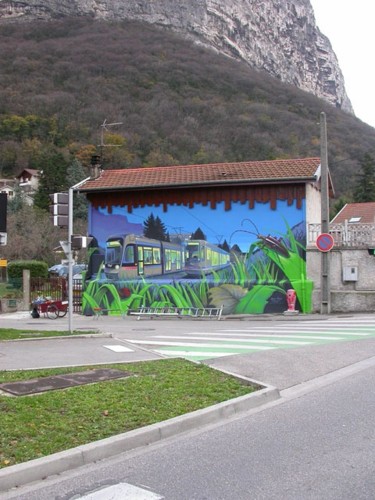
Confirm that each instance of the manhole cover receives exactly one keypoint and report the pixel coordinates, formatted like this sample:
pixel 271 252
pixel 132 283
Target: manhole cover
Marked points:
pixel 44 384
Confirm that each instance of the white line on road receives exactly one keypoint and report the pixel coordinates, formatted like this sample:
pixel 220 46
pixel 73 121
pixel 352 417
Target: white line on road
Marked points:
pixel 118 348
pixel 196 354
pixel 121 491
pixel 324 332
pixel 246 335
pixel 194 344
pixel 245 341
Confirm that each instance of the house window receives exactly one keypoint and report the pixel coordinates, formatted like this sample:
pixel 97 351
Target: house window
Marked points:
pixel 355 219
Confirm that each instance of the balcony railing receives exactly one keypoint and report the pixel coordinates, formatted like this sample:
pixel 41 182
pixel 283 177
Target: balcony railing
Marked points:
pixel 347 235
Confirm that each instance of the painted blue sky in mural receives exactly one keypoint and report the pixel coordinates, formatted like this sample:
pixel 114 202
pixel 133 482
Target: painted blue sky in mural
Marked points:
pixel 218 225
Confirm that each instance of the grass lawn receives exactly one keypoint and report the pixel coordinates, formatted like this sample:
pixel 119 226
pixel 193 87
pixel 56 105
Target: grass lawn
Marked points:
pixel 13 334
pixel 38 425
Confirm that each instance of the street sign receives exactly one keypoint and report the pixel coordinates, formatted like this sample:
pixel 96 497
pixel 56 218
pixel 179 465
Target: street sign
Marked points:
pixel 325 242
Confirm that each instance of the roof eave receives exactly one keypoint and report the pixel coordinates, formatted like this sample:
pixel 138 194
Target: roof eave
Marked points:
pixel 282 180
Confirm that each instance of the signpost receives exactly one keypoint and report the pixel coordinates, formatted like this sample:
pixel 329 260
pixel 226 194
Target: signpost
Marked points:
pixel 324 242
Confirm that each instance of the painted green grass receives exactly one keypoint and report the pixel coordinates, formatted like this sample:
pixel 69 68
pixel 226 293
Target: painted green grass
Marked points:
pixel 36 426
pixel 244 287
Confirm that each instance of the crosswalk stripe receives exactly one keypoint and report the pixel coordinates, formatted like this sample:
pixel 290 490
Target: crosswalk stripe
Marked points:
pixel 244 343
pixel 248 339
pixel 196 354
pixel 195 344
pixel 301 331
pixel 217 336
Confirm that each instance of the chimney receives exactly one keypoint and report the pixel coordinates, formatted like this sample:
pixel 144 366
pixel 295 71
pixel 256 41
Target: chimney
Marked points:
pixel 95 167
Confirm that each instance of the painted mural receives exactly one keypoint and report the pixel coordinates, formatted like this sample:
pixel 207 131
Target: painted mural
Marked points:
pixel 243 259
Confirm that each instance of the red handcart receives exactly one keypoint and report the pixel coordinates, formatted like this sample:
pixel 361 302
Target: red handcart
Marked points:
pixel 52 309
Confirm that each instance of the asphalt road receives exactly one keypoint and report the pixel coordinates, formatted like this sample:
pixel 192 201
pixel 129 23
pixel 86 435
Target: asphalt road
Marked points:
pixel 276 350
pixel 316 442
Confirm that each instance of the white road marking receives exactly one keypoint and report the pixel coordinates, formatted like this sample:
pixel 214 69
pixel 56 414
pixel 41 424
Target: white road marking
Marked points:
pixel 121 491
pixel 247 335
pixel 118 348
pixel 194 354
pixel 307 330
pixel 234 346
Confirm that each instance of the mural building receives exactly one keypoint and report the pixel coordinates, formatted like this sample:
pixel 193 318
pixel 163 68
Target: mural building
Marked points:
pixel 215 244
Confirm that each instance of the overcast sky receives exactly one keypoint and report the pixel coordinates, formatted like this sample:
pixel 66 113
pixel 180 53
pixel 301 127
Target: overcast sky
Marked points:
pixel 350 27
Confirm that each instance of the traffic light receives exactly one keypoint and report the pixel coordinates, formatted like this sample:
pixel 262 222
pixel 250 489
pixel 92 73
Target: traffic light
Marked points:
pixel 3 218
pixel 78 242
pixel 59 209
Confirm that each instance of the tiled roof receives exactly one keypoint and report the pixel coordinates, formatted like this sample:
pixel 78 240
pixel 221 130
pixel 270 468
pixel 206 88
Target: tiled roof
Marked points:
pixel 252 172
pixel 364 212
pixel 31 171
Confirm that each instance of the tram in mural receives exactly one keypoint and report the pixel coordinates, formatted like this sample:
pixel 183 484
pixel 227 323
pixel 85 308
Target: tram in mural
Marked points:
pixel 131 256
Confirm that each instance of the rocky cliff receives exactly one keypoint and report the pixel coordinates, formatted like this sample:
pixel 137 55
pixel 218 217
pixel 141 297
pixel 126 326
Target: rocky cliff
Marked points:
pixel 276 36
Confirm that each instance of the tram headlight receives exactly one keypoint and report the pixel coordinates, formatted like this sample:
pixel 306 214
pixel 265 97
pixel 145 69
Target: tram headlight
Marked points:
pixel 117 266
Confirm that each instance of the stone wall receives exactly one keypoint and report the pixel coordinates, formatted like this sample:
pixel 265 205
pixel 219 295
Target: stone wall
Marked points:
pixel 352 279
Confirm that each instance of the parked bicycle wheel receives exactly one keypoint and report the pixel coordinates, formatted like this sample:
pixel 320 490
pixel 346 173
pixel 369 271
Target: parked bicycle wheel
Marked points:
pixel 52 312
pixel 62 312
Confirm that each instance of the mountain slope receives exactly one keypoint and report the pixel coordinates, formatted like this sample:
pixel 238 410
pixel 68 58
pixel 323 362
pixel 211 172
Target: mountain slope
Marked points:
pixel 178 103
pixel 275 36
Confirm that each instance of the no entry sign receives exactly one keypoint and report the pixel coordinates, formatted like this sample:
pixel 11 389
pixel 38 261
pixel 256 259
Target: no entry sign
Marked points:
pixel 324 242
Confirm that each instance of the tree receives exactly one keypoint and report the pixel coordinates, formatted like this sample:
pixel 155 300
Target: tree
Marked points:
pixel 75 174
pixel 154 228
pixel 53 167
pixel 16 203
pixel 225 246
pixel 198 235
pixel 236 249
pixel 31 236
pixel 338 205
pixel 365 188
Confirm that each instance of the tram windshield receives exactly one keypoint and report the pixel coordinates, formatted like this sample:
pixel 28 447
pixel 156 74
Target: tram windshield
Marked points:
pixel 113 253
pixel 193 252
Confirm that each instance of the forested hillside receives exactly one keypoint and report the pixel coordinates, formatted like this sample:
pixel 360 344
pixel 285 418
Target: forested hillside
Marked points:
pixel 178 103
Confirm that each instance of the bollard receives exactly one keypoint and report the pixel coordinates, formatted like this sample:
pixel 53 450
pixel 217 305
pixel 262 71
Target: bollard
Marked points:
pixel 291 301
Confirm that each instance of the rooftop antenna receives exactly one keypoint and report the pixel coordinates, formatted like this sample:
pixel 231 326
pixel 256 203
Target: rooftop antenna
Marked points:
pixel 105 128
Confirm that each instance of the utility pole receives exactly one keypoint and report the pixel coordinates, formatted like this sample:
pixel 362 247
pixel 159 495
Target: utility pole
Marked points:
pixel 325 307
pixel 70 253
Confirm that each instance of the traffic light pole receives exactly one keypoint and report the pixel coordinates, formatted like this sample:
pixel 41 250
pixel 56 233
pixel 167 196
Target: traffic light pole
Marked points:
pixel 70 253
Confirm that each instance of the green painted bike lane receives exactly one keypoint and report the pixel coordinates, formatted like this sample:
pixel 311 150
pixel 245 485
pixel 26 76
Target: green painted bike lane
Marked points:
pixel 210 346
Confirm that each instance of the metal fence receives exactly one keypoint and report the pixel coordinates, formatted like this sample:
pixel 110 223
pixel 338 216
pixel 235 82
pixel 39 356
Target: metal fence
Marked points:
pixel 57 289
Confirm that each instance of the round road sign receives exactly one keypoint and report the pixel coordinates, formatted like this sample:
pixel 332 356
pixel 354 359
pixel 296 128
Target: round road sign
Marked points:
pixel 324 242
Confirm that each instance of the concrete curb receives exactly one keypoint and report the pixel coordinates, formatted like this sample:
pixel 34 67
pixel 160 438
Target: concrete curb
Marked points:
pixel 98 335
pixel 40 468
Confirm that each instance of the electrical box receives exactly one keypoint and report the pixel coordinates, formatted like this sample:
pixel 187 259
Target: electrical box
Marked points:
pixel 350 273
